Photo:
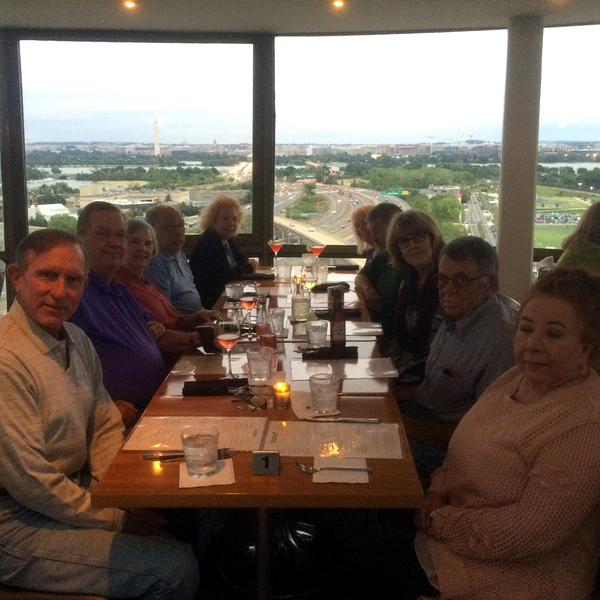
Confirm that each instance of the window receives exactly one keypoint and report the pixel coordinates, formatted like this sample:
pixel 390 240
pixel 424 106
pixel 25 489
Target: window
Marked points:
pixel 569 151
pixel 135 124
pixel 418 116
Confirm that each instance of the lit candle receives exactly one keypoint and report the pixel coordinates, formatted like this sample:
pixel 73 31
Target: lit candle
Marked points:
pixel 281 393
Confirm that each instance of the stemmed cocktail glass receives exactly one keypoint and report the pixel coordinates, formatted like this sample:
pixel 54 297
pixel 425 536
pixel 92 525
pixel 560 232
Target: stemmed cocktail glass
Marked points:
pixel 276 246
pixel 228 335
pixel 317 249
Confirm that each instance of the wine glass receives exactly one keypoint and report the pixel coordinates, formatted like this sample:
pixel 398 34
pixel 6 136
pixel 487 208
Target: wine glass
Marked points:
pixel 248 300
pixel 276 246
pixel 228 334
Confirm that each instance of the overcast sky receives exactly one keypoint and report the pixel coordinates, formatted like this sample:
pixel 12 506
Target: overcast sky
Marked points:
pixel 355 89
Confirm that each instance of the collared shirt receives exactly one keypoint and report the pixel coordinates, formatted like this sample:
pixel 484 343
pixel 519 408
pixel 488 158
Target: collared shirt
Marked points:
pixel 59 429
pixel 466 356
pixel 152 299
pixel 172 274
pixel 132 364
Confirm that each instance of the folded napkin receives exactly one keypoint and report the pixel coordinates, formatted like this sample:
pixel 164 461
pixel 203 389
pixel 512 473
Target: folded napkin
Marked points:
pixel 330 352
pixel 344 267
pixel 224 476
pixel 323 287
pixel 213 387
pixel 349 313
pixel 340 476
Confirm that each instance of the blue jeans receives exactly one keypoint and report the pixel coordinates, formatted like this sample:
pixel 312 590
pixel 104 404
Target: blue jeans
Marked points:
pixel 51 556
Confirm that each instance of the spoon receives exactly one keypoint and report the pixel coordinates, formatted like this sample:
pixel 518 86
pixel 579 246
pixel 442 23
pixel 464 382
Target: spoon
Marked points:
pixel 312 470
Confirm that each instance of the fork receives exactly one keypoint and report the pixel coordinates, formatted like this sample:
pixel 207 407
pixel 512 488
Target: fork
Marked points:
pixel 312 470
pixel 222 454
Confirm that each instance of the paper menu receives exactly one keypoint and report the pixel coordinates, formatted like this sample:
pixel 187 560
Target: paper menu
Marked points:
pixel 359 368
pixel 357 440
pixel 164 433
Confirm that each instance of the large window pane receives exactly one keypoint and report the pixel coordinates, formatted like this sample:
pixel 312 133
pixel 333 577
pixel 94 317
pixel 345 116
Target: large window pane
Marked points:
pixel 135 124
pixel 569 151
pixel 361 115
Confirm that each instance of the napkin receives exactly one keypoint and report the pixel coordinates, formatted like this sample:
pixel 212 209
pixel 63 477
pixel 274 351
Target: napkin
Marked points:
pixel 340 476
pixel 224 476
pixel 302 405
pixel 212 387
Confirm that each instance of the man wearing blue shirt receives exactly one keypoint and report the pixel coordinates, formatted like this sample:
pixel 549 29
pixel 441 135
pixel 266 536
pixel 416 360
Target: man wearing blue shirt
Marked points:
pixel 471 349
pixel 169 269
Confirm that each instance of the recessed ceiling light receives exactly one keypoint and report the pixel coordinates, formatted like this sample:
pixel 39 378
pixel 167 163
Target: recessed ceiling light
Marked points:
pixel 338 3
pixel 129 4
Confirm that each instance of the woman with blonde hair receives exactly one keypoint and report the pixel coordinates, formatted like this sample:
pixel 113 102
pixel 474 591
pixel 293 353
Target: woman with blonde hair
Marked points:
pixel 582 247
pixel 361 231
pixel 216 259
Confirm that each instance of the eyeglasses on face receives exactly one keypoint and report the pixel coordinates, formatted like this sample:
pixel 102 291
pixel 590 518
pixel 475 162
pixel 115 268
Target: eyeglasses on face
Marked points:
pixel 459 280
pixel 104 235
pixel 403 242
pixel 243 394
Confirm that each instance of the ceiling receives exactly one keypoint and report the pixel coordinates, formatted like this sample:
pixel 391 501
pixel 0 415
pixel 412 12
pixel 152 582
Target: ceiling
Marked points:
pixel 291 17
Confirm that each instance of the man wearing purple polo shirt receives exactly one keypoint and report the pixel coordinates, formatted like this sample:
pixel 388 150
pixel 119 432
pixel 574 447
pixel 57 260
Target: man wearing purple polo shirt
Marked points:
pixel 132 364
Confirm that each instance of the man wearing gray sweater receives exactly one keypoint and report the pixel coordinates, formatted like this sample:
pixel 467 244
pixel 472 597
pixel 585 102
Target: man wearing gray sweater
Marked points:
pixel 59 430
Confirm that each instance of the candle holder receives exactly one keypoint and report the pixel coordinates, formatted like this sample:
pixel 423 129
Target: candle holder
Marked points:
pixel 281 395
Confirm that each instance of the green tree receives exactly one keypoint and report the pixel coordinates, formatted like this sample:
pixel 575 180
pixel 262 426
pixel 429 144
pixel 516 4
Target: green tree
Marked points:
pixel 38 221
pixel 63 222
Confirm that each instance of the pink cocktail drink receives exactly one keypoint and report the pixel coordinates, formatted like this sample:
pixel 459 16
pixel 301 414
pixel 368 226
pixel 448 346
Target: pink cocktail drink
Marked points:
pixel 316 250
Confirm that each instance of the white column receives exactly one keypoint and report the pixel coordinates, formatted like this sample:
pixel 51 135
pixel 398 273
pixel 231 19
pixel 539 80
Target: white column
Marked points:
pixel 519 154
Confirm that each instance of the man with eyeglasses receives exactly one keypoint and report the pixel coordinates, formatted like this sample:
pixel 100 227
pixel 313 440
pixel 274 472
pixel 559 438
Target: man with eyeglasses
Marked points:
pixel 121 331
pixel 471 349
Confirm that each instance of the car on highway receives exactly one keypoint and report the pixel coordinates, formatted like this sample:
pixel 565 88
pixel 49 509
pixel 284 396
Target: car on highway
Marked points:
pixel 311 228
pixel 292 224
pixel 334 212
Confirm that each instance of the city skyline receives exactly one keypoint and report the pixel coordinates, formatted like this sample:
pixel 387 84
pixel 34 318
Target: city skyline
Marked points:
pixel 381 89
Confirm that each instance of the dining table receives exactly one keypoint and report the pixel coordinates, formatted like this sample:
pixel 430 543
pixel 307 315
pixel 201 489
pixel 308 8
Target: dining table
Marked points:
pixel 132 482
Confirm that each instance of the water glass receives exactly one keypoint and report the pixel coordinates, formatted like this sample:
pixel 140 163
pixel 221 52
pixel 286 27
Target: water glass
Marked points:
pixel 300 308
pixel 322 273
pixel 260 361
pixel 316 333
pixel 278 318
pixel 233 291
pixel 284 271
pixel 324 389
pixel 200 448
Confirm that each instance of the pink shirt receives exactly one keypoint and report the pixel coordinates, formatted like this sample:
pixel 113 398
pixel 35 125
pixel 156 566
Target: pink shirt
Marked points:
pixel 152 299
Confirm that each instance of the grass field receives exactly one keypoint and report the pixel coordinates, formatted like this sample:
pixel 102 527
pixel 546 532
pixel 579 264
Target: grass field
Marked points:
pixel 560 204
pixel 550 236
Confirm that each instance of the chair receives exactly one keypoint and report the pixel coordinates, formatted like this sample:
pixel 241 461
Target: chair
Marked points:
pixel 12 593
pixel 510 303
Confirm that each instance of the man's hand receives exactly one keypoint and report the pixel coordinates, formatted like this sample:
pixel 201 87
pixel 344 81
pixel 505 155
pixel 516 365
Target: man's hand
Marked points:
pixel 129 413
pixel 433 501
pixel 207 316
pixel 145 522
pixel 156 329
pixel 254 263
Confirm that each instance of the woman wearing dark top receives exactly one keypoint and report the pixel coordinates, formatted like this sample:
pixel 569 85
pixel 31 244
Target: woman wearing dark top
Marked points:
pixel 215 259
pixel 414 242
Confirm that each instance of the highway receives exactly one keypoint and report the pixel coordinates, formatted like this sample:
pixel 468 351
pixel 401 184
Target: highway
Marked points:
pixel 475 217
